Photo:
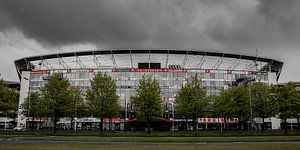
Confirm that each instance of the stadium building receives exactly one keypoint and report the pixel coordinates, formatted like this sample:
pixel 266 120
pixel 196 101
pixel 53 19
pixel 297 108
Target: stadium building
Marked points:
pixel 170 67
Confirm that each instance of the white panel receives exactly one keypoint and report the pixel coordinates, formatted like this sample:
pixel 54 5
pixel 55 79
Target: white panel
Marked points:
pixel 275 123
pixel 272 78
pixel 24 88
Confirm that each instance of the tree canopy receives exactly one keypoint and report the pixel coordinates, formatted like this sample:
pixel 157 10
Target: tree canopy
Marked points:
pixel 8 100
pixel 234 102
pixel 191 101
pixel 263 105
pixel 146 103
pixel 56 96
pixel 102 99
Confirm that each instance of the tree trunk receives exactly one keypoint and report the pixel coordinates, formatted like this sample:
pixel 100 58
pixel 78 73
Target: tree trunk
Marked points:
pixel 148 124
pixel 186 124
pixel 240 124
pixel 195 124
pixel 40 123
pixel 224 124
pixel 110 124
pixel 285 125
pixel 298 122
pixel 55 122
pixel 72 120
pixel 263 122
pixel 32 120
pixel 101 125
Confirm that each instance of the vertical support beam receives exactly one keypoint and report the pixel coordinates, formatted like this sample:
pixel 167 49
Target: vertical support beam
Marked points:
pixel 113 59
pixel 131 61
pixel 28 66
pixel 184 60
pixel 236 63
pixel 62 63
pixel 78 61
pixel 219 62
pixel 167 59
pixel 149 58
pixel 41 63
pixel 96 61
pixel 59 63
pixel 202 60
pixel 270 66
pixel 46 64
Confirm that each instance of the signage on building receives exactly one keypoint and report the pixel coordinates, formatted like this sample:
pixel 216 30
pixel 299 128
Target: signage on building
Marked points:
pixel 207 70
pixel 167 99
pixel 148 70
pixel 36 119
pixel 91 70
pixel 174 67
pixel 250 72
pixel 105 120
pixel 229 71
pixel 217 120
pixel 39 71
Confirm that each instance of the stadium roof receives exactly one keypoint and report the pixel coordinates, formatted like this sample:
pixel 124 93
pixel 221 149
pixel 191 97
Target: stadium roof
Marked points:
pixel 129 58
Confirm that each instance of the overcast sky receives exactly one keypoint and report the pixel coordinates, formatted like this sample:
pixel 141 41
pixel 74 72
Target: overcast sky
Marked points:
pixel 34 27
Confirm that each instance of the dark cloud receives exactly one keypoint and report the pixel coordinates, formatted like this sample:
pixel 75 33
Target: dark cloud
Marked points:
pixel 233 25
pixel 283 17
pixel 108 23
pixel 67 22
pixel 236 26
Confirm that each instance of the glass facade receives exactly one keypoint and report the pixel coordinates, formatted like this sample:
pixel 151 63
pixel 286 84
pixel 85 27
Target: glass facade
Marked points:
pixel 214 81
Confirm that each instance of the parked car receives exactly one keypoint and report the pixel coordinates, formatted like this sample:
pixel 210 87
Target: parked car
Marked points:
pixel 19 129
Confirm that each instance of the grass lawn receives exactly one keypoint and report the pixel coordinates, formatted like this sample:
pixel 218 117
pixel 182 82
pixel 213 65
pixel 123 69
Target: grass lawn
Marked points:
pixel 169 139
pixel 275 146
pixel 145 134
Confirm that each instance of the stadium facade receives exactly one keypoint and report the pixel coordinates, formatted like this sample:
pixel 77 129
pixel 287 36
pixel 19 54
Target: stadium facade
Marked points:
pixel 170 67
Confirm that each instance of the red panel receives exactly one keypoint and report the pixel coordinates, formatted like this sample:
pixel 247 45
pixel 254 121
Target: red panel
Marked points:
pixel 40 72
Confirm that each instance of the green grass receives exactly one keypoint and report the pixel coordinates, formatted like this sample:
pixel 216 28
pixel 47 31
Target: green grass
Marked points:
pixel 275 146
pixel 144 134
pixel 171 139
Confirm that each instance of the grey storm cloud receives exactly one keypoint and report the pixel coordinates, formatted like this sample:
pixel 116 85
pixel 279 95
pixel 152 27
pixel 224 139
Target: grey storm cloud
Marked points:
pixel 219 24
pixel 30 27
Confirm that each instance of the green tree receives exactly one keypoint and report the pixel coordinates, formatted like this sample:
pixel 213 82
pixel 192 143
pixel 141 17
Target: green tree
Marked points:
pixel 234 102
pixel 262 104
pixel 296 105
pixel 55 94
pixel 32 106
pixel 191 101
pixel 287 100
pixel 102 99
pixel 146 103
pixel 75 106
pixel 8 100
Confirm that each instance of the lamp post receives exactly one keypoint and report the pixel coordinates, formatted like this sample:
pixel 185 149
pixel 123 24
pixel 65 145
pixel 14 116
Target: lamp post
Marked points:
pixel 173 116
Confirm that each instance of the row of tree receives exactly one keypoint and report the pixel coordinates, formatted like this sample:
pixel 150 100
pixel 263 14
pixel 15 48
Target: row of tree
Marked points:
pixel 8 100
pixel 58 99
pixel 257 100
